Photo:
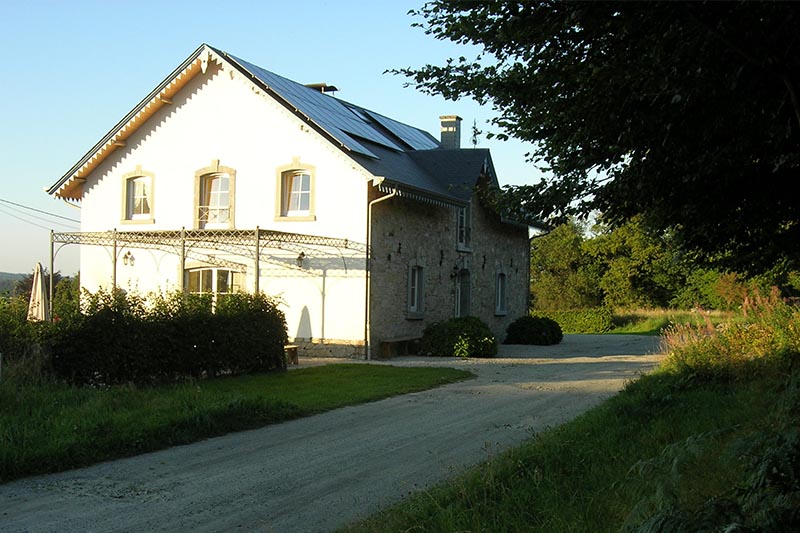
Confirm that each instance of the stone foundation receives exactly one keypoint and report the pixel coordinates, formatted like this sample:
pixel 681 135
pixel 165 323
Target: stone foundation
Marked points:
pixel 329 348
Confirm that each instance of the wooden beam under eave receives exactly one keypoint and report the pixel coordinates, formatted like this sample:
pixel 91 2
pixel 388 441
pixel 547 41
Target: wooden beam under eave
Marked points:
pixel 73 189
pixel 119 144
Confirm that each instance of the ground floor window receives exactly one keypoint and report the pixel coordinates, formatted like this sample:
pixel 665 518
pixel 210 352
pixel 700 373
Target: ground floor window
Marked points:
pixel 463 293
pixel 214 281
pixel 500 299
pixel 416 283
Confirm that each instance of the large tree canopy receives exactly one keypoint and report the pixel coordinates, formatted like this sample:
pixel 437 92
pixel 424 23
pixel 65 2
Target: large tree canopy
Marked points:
pixel 687 113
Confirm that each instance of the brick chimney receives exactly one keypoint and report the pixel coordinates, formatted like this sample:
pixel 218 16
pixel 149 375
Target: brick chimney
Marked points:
pixel 451 131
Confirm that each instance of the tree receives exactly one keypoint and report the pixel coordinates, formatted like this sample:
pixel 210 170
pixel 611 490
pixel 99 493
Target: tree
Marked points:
pixel 24 286
pixel 638 268
pixel 561 275
pixel 687 113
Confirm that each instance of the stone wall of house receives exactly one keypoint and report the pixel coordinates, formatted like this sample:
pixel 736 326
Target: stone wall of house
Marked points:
pixel 344 348
pixel 407 232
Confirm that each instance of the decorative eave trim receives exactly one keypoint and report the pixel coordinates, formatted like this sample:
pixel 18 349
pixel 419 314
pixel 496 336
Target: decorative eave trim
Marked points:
pixel 70 185
pixel 403 191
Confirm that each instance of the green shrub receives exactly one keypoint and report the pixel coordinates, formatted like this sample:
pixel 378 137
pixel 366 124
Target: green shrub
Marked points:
pixel 118 339
pixel 459 337
pixel 536 330
pixel 592 320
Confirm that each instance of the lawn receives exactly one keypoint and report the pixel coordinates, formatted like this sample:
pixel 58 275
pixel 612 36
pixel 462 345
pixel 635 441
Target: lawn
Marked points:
pixel 50 427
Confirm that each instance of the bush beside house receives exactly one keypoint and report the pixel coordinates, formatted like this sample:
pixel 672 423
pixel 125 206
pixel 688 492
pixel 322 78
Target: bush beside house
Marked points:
pixel 459 337
pixel 534 330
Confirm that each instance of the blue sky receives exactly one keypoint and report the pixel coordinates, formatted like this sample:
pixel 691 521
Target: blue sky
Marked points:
pixel 72 70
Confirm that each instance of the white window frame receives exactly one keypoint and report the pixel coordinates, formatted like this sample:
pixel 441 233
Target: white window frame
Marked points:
pixel 501 294
pixel 235 280
pixel 464 227
pixel 214 210
pixel 416 291
pixel 211 211
pixel 130 195
pixel 289 198
pixel 295 196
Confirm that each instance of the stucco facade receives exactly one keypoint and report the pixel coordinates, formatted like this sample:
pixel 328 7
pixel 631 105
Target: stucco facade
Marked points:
pixel 284 186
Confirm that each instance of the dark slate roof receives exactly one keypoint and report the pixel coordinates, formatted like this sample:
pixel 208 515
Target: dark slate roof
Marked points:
pixel 405 156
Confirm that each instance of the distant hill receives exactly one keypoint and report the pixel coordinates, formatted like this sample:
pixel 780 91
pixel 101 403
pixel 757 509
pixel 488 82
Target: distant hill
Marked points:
pixel 7 281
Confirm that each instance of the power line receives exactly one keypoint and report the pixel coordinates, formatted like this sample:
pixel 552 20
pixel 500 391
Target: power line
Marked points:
pixel 39 211
pixel 27 221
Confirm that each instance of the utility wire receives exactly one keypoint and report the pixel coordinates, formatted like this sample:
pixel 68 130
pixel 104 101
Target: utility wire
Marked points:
pixel 27 221
pixel 39 211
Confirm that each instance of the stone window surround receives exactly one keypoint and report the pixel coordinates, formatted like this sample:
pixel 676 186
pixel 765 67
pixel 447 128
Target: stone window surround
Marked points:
pixel 281 173
pixel 127 218
pixel 215 168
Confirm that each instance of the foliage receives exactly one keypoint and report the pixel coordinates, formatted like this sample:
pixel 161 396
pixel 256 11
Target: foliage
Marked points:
pixel 632 106
pixel 67 298
pixel 535 330
pixel 50 427
pixel 634 267
pixel 639 267
pixel 730 350
pixel 118 339
pixel 562 276
pixel 465 336
pixel 24 285
pixel 592 320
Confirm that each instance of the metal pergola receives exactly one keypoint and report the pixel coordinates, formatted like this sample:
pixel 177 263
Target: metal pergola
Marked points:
pixel 202 245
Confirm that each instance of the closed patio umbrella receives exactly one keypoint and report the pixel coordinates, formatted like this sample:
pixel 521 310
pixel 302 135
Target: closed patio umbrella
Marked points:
pixel 38 306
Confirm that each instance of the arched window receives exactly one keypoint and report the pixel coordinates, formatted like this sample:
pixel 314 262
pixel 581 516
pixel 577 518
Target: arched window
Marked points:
pixel 295 191
pixel 214 193
pixel 463 293
pixel 138 196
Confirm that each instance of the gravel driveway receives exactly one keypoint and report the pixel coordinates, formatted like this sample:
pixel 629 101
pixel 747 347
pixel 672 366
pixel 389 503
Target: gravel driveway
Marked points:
pixel 319 473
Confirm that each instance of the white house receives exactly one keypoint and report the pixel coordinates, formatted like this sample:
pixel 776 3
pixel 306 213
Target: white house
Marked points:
pixel 228 177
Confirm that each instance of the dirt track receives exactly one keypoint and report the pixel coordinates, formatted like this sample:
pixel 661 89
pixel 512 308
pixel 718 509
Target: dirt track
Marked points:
pixel 321 472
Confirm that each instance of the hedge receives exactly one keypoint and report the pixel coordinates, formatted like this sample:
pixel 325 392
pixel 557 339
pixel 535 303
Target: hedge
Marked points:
pixel 118 339
pixel 593 320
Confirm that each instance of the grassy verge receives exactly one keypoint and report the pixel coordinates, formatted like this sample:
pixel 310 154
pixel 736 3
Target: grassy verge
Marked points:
pixel 655 321
pixel 710 442
pixel 49 427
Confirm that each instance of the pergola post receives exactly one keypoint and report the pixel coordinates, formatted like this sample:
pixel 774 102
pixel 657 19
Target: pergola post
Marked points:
pixel 258 261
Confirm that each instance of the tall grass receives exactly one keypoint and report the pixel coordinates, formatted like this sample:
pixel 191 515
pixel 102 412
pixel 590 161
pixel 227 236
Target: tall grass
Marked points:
pixel 708 442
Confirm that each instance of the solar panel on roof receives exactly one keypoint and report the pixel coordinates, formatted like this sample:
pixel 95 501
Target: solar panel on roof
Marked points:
pixel 414 137
pixel 329 113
